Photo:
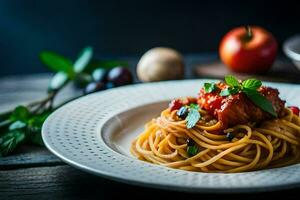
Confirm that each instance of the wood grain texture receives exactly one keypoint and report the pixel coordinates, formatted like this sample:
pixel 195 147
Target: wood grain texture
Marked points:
pixel 65 182
pixel 20 90
pixel 29 156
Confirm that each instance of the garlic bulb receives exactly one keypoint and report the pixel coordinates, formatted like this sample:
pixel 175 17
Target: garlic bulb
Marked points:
pixel 159 64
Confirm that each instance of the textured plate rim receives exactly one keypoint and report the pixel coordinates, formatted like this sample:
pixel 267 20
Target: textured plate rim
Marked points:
pixel 159 185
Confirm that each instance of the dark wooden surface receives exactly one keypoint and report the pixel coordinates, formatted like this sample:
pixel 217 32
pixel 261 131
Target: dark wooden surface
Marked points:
pixel 281 71
pixel 34 173
pixel 65 182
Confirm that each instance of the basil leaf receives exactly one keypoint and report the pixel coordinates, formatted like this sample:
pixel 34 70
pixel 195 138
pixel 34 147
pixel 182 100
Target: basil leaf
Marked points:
pixel 83 60
pixel 251 84
pixel 194 106
pixel 57 62
pixel 21 113
pixel 260 101
pixel 36 122
pixel 209 87
pixel 58 81
pixel 234 90
pixel 17 125
pixel 225 92
pixel 192 150
pixel 232 81
pixel 229 91
pixel 193 116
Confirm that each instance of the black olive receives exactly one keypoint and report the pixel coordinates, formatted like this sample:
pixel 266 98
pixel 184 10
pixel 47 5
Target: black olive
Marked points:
pixel 190 142
pixel 183 112
pixel 119 76
pixel 94 87
pixel 229 136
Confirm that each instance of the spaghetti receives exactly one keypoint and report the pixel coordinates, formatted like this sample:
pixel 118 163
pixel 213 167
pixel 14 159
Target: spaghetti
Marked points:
pixel 273 143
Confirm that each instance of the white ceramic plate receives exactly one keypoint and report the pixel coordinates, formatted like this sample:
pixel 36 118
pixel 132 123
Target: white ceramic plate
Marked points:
pixel 94 134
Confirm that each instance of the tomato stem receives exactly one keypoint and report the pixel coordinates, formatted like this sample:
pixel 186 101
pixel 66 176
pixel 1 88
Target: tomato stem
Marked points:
pixel 249 32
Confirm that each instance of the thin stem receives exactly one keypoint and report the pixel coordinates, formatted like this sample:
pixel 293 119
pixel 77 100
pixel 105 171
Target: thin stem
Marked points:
pixel 35 103
pixel 44 102
pixel 5 115
pixel 249 33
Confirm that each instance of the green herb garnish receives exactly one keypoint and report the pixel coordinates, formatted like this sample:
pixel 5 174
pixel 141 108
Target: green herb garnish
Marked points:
pixel 248 87
pixel 210 87
pixel 57 62
pixel 229 91
pixel 20 113
pixel 193 116
pixel 251 84
pixel 192 150
pixel 232 81
pixel 10 140
pixel 260 101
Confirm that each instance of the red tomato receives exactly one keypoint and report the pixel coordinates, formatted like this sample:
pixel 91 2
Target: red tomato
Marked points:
pixel 175 104
pixel 211 102
pixel 251 50
pixel 295 110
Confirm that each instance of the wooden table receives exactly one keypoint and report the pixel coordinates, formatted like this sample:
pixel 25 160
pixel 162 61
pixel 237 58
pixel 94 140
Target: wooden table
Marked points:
pixel 34 173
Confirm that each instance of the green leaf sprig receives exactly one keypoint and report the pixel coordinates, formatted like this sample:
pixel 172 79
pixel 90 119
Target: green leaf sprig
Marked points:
pixel 64 68
pixel 24 126
pixel 24 123
pixel 250 88
pixel 193 116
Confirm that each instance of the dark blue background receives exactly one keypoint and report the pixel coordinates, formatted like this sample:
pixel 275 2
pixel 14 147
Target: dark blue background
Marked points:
pixel 116 28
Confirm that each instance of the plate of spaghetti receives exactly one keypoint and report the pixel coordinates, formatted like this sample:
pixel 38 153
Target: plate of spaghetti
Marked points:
pixel 193 135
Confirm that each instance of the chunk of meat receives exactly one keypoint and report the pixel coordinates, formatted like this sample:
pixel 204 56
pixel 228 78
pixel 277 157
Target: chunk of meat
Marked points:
pixel 238 108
